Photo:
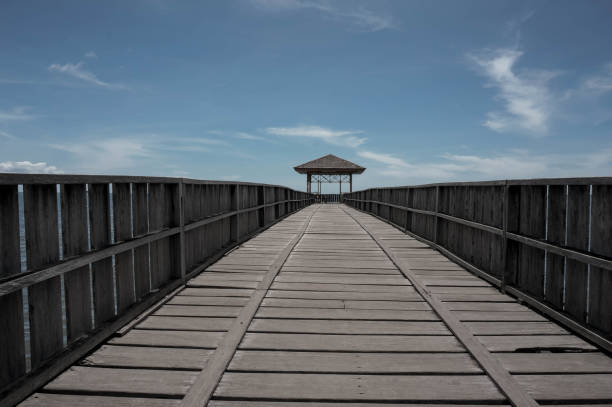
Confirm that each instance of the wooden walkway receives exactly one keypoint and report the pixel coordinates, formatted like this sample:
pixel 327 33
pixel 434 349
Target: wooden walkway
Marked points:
pixel 334 307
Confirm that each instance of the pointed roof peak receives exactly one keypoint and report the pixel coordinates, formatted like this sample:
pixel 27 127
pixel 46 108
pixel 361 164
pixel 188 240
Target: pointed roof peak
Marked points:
pixel 329 164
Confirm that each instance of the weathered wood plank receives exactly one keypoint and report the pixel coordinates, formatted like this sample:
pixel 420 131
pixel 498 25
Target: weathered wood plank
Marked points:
pixel 148 357
pixel 356 387
pixel 102 271
pixel 180 339
pixel 142 276
pixel 344 362
pixel 79 400
pixel 149 382
pixel 600 313
pixel 186 323
pixel 555 363
pixel 122 222
pixel 568 387
pixel 198 311
pixel 75 242
pixel 349 327
pixel 12 351
pixel 345 314
pixel 531 343
pixel 42 247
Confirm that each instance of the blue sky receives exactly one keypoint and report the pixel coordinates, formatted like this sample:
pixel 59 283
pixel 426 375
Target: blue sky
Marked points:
pixel 416 91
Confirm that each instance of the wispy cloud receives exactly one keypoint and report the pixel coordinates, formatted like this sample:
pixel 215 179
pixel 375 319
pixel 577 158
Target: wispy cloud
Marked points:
pixel 239 135
pixel 525 94
pixel 19 113
pixel 77 71
pixel 356 15
pixel 7 135
pixel 28 167
pixel 601 82
pixel 346 138
pixel 509 164
pixel 91 54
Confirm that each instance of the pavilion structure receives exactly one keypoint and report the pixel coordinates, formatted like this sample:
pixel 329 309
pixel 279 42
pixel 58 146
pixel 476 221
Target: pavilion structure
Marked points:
pixel 329 169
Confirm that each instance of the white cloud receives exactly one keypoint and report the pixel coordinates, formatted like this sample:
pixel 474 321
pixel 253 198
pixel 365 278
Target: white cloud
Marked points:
pixel 600 83
pixel 77 71
pixel 91 54
pixel 19 113
pixel 249 136
pixel 346 138
pixel 356 15
pixel 28 167
pixel 526 94
pixel 507 165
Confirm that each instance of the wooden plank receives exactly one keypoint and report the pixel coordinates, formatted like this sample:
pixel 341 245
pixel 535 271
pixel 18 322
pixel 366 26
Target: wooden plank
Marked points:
pixel 600 313
pixel 555 363
pixel 12 350
pixel 75 242
pixel 79 400
pixel 149 382
pixel 568 388
pixel 356 387
pixel 344 295
pixel 342 287
pixel 345 314
pixel 352 343
pixel 349 327
pixel 142 277
pixel 122 222
pixel 186 323
pixel 148 357
pixel 534 343
pixel 348 279
pixel 515 328
pixel 340 304
pixel 208 379
pixel 343 362
pixel 42 247
pixel 524 315
pixel 180 339
pixel 102 271
pixel 243 403
pixel 555 264
pixel 207 301
pixel 198 311
pixel 576 278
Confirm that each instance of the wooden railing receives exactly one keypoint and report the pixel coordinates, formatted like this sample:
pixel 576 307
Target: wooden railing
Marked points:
pixel 101 249
pixel 546 241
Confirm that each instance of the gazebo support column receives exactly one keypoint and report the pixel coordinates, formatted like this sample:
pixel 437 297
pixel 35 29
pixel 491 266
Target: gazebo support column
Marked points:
pixel 351 182
pixel 308 182
pixel 340 185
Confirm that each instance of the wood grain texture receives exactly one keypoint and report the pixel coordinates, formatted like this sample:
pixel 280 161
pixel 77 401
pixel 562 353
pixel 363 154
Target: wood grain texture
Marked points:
pixel 12 351
pixel 42 248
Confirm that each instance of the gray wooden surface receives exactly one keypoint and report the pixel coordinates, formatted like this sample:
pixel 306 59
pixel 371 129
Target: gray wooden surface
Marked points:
pixel 339 326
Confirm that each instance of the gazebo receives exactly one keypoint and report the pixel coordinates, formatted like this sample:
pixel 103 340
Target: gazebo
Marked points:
pixel 329 169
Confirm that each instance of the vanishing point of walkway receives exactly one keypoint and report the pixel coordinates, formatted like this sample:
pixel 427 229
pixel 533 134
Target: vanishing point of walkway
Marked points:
pixel 335 307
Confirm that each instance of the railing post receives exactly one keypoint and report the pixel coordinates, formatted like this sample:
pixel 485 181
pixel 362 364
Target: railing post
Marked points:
pixel 436 214
pixel 181 192
pixel 235 204
pixel 506 198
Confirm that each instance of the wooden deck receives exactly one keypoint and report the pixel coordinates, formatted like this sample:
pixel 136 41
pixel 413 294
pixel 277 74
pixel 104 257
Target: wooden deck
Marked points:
pixel 334 307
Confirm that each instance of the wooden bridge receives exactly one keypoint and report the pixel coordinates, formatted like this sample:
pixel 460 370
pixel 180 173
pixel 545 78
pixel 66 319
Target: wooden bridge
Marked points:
pixel 256 297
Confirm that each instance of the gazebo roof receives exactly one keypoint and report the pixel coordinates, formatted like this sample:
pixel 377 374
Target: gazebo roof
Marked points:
pixel 329 164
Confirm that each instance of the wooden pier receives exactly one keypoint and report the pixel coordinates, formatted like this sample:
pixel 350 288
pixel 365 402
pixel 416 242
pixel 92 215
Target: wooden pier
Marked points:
pixel 332 306
pixel 180 292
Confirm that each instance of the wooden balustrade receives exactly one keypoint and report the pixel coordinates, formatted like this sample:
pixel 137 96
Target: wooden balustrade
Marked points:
pixel 546 241
pixel 101 249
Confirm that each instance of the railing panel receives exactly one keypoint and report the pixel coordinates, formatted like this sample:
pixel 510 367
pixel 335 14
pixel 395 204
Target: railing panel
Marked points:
pixel 576 273
pixel 12 347
pixel 555 264
pixel 75 242
pixel 142 276
pixel 122 226
pixel 42 248
pixel 548 240
pixel 102 271
pixel 600 315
